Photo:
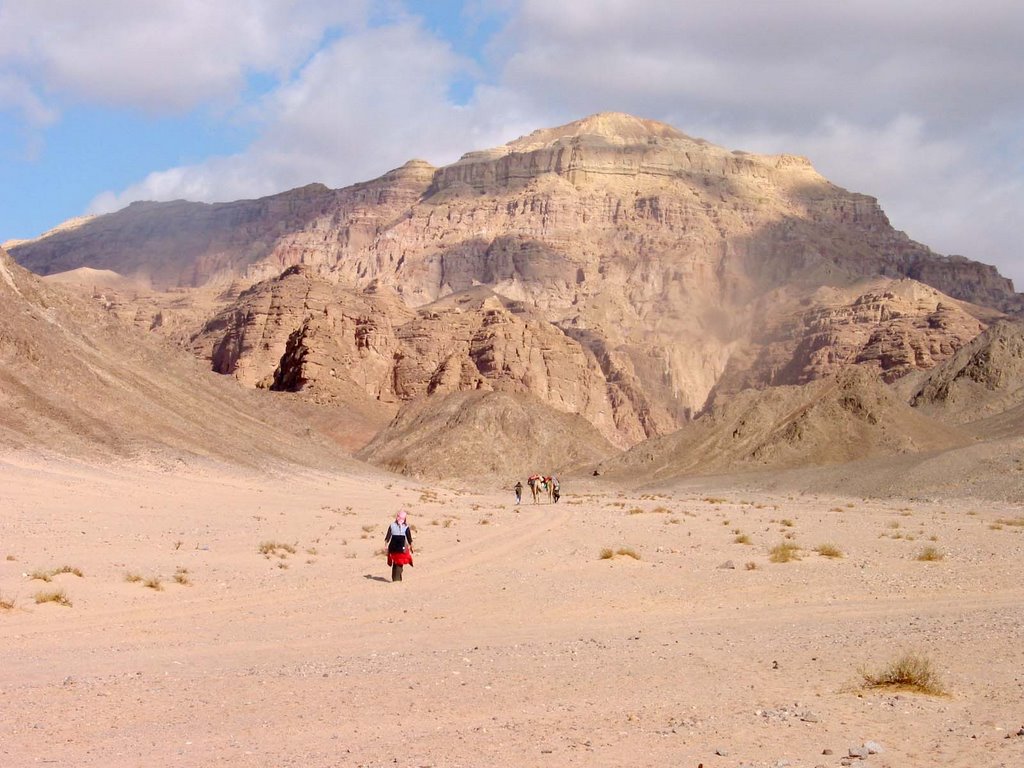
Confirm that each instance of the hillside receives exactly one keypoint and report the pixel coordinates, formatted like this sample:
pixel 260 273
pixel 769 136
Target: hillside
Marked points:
pixel 76 382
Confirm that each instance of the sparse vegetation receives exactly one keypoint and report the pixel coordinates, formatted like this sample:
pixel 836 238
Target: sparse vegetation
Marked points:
pixel 910 672
pixel 786 522
pixel 6 603
pixel 181 576
pixel 270 548
pixel 929 554
pixel 1012 522
pixel 784 552
pixel 636 511
pixel 41 575
pixel 829 550
pixel 68 569
pixel 607 553
pixel 741 538
pixel 132 578
pixel 58 596
pixel 153 582
pixel 751 565
pixel 11 558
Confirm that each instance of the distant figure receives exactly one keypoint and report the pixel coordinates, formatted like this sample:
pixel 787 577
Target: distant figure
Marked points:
pixel 399 541
pixel 556 491
pixel 518 488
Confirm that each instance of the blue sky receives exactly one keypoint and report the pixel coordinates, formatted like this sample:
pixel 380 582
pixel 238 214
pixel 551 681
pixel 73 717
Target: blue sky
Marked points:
pixel 920 104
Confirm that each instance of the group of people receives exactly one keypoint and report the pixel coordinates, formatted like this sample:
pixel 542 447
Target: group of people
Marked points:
pixel 539 484
pixel 398 535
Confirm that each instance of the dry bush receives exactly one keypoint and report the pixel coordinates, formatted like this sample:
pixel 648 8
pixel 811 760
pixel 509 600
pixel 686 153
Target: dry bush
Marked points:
pixel 11 558
pixel 58 596
pixel 929 554
pixel 1014 522
pixel 41 575
pixel 714 500
pixel 910 672
pixel 607 554
pixel 268 548
pixel 68 569
pixel 627 552
pixel 636 511
pixel 741 538
pixel 784 552
pixel 368 528
pixel 6 603
pixel 132 578
pixel 153 582
pixel 829 550
pixel 181 576
pixel 661 510
pixel 786 522
pixel 751 565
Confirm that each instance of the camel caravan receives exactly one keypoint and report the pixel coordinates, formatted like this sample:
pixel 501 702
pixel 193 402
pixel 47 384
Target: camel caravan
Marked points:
pixel 544 486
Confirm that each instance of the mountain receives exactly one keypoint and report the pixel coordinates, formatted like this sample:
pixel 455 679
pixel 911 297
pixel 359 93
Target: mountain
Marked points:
pixel 614 268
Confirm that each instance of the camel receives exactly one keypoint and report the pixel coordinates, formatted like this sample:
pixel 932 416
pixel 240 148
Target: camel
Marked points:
pixel 537 486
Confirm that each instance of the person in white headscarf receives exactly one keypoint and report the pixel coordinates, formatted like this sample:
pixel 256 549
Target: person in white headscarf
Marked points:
pixel 399 541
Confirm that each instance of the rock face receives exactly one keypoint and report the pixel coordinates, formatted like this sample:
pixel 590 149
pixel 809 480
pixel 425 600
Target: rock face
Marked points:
pixel 984 379
pixel 613 267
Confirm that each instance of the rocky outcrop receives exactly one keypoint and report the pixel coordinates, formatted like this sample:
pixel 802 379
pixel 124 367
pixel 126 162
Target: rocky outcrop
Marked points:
pixel 893 326
pixel 984 379
pixel 844 417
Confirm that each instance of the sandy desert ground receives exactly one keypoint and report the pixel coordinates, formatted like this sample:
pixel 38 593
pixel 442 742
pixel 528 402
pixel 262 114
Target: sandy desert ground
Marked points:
pixel 511 641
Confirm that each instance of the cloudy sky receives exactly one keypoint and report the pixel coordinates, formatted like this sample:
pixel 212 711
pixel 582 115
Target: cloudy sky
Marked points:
pixel 919 103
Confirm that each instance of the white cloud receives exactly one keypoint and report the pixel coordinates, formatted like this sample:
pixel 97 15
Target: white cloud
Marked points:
pixel 160 55
pixel 354 111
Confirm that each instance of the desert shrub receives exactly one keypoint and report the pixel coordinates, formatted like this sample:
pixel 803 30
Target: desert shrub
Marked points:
pixel 929 554
pixel 41 575
pixel 268 548
pixel 910 672
pixel 181 576
pixel 628 552
pixel 132 578
pixel 751 565
pixel 68 569
pixel 11 558
pixel 784 552
pixel 635 511
pixel 741 538
pixel 607 554
pixel 1013 522
pixel 153 582
pixel 6 603
pixel 58 596
pixel 661 510
pixel 786 522
pixel 828 550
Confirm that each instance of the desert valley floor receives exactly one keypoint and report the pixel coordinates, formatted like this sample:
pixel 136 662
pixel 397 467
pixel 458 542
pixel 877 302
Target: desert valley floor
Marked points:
pixel 513 641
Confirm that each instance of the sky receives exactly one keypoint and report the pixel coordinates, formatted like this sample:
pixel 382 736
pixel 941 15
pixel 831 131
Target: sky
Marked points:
pixel 916 102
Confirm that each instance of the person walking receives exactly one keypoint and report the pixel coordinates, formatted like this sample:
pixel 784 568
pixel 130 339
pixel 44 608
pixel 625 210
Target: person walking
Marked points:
pixel 518 488
pixel 399 541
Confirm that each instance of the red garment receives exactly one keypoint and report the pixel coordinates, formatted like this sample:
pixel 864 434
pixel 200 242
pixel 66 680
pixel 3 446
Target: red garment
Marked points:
pixel 400 558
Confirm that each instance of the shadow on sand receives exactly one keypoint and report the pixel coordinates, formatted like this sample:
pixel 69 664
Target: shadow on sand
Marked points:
pixel 371 577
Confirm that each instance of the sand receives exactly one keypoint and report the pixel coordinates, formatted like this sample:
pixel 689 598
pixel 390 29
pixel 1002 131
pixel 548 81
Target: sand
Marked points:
pixel 510 642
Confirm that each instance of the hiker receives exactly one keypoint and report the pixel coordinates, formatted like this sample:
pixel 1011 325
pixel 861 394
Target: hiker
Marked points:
pixel 556 492
pixel 399 541
pixel 518 488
